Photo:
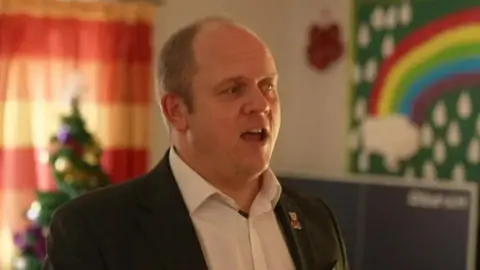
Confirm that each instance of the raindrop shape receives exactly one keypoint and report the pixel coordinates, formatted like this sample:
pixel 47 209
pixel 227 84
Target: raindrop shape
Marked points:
pixel 426 135
pixel 388 46
pixel 409 173
pixel 454 136
pixel 357 74
pixel 353 140
pixel 360 108
pixel 377 18
pixel 439 152
pixel 458 173
pixel 364 161
pixel 473 152
pixel 390 18
pixel 464 105
pixel 429 171
pixel 405 13
pixel 440 114
pixel 370 71
pixel 364 36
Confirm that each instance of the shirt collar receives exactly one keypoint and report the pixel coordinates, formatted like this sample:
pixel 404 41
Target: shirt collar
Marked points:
pixel 195 190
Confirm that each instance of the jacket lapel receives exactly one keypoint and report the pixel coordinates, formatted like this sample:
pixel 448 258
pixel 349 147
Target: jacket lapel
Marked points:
pixel 164 218
pixel 290 218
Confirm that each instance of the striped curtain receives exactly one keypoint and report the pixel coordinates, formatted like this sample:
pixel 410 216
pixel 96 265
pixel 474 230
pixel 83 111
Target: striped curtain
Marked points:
pixel 46 46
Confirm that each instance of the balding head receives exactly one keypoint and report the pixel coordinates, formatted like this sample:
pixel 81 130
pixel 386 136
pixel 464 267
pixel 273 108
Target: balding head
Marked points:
pixel 221 99
pixel 177 61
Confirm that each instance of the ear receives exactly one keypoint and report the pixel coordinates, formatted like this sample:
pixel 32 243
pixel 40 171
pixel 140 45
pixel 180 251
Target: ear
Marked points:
pixel 175 111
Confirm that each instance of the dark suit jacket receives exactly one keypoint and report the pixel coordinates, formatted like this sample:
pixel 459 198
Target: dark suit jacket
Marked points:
pixel 144 224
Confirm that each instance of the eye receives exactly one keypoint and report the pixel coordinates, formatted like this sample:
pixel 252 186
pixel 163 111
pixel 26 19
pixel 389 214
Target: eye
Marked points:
pixel 270 87
pixel 236 89
pixel 267 87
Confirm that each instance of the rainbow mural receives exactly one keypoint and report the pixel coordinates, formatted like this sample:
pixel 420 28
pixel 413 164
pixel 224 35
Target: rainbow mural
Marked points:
pixel 438 58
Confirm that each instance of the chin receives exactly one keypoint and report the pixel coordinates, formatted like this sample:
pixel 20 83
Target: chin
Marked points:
pixel 258 164
pixel 256 159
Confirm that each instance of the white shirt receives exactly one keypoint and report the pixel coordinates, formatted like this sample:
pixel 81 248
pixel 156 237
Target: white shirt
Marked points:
pixel 229 240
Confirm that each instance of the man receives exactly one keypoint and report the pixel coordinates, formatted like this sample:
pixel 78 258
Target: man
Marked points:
pixel 212 202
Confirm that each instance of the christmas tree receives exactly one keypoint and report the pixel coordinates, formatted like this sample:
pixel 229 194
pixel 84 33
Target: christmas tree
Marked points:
pixel 74 156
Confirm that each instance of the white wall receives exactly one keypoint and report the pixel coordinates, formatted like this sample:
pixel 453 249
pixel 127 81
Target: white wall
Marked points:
pixel 312 140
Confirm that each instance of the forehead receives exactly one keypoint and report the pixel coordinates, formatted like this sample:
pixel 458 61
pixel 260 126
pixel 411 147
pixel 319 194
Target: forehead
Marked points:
pixel 226 51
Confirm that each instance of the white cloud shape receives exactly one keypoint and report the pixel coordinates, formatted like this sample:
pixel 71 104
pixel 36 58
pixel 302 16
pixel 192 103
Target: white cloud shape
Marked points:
pixel 394 137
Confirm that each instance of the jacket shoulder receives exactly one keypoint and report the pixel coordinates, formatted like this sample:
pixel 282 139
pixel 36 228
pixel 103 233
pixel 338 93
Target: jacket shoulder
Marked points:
pixel 104 200
pixel 307 203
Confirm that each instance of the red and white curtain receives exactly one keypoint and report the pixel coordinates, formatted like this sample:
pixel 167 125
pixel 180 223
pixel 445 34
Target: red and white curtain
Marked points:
pixel 45 47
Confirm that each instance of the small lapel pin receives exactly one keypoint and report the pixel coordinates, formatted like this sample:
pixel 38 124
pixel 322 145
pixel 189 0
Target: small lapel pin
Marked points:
pixel 294 221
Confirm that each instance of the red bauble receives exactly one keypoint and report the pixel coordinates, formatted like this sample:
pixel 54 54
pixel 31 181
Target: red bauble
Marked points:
pixel 73 144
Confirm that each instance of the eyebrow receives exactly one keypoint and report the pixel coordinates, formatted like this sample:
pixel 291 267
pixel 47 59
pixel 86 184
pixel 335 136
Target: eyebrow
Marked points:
pixel 272 76
pixel 230 79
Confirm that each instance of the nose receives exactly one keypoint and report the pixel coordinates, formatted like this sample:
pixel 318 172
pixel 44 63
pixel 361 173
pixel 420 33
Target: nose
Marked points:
pixel 257 102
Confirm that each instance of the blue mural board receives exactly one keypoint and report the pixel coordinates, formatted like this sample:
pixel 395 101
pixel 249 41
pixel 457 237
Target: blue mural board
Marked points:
pixel 398 225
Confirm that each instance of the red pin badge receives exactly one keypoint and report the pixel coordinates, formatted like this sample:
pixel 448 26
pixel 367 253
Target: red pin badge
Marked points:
pixel 294 221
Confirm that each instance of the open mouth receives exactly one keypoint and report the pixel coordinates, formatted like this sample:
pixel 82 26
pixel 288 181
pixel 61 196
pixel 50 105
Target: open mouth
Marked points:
pixel 255 135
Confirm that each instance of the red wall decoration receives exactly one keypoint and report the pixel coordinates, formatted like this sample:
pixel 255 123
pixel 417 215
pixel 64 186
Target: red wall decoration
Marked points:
pixel 325 45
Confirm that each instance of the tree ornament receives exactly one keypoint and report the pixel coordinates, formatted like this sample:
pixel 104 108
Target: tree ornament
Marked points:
pixel 33 213
pixel 80 175
pixel 62 165
pixel 31 241
pixel 69 178
pixel 66 138
pixel 64 135
pixel 91 157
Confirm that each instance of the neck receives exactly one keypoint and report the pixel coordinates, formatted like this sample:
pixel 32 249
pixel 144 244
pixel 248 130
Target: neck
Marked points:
pixel 243 193
pixel 241 188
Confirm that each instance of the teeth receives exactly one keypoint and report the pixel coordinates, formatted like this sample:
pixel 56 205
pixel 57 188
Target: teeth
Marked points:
pixel 256 130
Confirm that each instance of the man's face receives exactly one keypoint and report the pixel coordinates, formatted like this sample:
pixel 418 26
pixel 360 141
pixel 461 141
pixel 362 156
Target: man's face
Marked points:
pixel 236 112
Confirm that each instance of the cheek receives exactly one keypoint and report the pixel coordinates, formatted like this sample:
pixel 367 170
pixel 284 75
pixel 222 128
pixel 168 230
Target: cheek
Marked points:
pixel 215 121
pixel 214 127
pixel 276 111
